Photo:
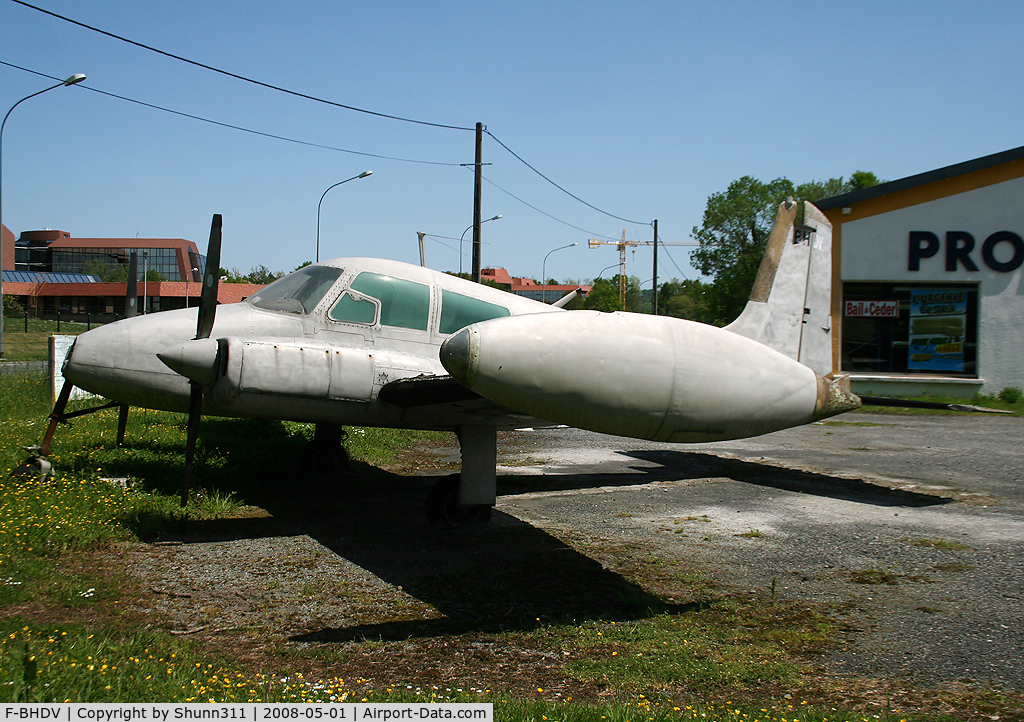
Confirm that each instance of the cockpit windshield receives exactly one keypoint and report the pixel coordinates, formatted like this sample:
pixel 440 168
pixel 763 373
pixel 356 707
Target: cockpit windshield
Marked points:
pixel 298 292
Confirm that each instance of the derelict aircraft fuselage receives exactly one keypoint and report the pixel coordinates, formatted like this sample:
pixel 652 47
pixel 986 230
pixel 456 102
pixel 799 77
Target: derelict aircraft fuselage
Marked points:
pixel 371 342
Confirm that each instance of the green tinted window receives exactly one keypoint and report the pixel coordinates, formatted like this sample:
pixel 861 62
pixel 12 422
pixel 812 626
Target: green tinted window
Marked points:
pixel 458 311
pixel 354 310
pixel 404 304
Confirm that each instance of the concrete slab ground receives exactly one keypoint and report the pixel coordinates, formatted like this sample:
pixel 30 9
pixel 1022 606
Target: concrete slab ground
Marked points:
pixel 911 528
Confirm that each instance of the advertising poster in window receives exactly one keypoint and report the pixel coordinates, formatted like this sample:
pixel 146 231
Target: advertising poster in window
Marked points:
pixel 938 324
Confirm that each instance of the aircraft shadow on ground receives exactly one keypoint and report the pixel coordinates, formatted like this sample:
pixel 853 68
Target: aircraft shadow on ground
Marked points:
pixel 503 576
pixel 670 465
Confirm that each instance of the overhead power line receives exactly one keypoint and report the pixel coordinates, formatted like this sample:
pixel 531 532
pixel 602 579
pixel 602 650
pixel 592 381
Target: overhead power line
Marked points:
pixel 588 205
pixel 236 76
pixel 318 100
pixel 237 127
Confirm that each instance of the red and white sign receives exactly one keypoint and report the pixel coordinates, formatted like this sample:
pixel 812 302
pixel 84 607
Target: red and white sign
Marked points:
pixel 873 309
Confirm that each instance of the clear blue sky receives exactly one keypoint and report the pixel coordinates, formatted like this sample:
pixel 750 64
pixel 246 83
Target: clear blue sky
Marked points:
pixel 640 108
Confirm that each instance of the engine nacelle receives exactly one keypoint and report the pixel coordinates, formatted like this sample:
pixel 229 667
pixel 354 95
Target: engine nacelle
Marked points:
pixel 293 368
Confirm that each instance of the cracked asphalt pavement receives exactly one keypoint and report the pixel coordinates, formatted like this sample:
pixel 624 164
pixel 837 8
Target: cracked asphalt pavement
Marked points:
pixel 911 528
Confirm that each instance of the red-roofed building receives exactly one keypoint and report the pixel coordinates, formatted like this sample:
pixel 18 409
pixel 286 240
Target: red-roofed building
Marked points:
pixel 50 272
pixel 7 240
pixel 528 287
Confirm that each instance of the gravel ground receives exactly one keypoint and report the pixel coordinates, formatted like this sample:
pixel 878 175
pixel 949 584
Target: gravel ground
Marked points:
pixel 916 551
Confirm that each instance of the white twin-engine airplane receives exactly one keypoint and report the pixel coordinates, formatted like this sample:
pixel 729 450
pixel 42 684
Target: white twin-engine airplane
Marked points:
pixel 370 342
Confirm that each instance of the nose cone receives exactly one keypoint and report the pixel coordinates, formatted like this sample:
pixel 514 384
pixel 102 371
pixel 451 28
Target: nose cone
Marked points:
pixel 460 355
pixel 119 360
pixel 195 360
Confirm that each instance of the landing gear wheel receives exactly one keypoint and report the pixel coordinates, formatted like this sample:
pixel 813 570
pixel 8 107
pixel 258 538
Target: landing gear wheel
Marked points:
pixel 325 459
pixel 443 506
pixel 325 455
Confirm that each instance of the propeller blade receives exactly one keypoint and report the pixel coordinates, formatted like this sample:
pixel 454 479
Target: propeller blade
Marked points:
pixel 204 326
pixel 195 412
pixel 211 275
pixel 131 300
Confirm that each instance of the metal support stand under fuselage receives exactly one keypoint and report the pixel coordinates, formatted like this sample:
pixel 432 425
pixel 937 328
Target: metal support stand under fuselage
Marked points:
pixel 467 498
pixel 478 480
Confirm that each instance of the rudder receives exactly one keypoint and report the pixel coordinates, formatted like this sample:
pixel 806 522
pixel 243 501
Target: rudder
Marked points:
pixel 790 306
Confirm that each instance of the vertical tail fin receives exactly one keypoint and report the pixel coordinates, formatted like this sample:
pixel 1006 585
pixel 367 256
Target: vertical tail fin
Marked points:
pixel 790 306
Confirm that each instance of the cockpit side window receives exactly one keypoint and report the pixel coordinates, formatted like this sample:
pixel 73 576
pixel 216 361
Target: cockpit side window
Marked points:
pixel 458 311
pixel 404 304
pixel 298 292
pixel 353 308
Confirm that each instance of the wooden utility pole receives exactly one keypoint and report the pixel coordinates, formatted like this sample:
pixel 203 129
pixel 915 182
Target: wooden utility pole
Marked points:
pixel 654 296
pixel 477 178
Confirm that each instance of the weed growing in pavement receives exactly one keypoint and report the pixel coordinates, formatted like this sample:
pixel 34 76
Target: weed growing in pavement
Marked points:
pixel 939 544
pixel 873 576
pixel 64 636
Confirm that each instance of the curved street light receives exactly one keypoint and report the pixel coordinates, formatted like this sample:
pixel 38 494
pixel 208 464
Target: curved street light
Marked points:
pixel 361 175
pixel 73 80
pixel 463 237
pixel 544 266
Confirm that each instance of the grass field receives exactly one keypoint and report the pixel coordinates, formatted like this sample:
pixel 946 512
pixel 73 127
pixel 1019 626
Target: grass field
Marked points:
pixel 67 634
pixel 33 344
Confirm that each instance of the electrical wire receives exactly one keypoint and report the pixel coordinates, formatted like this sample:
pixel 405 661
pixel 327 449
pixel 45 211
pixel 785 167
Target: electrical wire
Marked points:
pixel 236 76
pixel 322 100
pixel 545 213
pixel 326 102
pixel 236 127
pixel 571 195
pixel 681 271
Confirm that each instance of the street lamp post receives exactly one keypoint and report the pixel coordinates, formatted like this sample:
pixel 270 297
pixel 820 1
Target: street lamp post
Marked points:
pixel 145 281
pixel 73 80
pixel 361 175
pixel 187 277
pixel 463 237
pixel 543 272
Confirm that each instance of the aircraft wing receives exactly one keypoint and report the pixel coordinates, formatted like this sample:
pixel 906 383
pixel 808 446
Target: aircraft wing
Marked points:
pixel 449 403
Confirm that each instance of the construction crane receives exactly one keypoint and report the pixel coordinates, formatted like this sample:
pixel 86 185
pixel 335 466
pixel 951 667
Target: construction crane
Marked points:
pixel 594 243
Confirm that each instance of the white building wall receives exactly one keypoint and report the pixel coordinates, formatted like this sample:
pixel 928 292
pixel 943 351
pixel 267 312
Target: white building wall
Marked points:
pixel 878 248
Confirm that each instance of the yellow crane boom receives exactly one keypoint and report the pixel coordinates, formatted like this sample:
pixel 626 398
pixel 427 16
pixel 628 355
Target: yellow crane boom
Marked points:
pixel 595 242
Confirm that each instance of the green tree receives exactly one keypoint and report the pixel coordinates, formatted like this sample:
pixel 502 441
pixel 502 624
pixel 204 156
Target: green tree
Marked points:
pixel 257 274
pixel 232 275
pixel 262 274
pixel 603 296
pixel 12 307
pixel 108 272
pixel 735 229
pixel 684 299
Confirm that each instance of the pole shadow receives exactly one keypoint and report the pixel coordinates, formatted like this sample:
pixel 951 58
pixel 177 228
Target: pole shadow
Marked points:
pixel 670 465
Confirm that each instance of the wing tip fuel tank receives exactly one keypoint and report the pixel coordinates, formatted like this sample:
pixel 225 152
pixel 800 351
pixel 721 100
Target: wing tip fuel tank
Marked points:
pixel 649 377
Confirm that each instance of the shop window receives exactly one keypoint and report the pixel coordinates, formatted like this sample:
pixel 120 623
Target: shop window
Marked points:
pixel 929 328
